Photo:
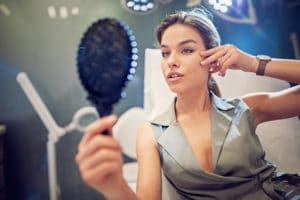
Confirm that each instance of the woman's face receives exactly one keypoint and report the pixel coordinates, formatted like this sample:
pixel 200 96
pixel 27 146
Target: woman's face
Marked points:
pixel 180 47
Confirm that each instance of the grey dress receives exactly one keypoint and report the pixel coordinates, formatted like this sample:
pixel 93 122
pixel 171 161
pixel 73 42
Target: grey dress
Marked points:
pixel 240 170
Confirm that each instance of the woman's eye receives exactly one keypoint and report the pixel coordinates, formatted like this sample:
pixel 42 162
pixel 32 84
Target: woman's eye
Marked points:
pixel 187 51
pixel 165 53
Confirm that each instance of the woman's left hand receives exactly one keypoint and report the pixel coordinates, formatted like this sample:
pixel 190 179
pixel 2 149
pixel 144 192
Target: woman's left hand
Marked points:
pixel 224 57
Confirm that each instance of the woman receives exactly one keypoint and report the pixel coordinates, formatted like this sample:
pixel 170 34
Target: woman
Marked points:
pixel 206 146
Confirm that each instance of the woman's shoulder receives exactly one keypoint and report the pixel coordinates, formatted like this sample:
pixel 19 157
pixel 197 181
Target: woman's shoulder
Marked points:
pixel 146 139
pixel 228 103
pixel 146 133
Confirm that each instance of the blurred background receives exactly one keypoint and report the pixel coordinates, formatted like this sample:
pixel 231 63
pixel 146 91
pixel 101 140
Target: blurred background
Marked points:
pixel 41 39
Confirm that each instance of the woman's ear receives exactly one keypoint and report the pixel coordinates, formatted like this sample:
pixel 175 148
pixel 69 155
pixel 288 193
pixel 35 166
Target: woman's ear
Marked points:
pixel 214 87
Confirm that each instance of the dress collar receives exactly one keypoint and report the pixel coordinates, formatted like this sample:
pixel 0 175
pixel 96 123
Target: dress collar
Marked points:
pixel 168 117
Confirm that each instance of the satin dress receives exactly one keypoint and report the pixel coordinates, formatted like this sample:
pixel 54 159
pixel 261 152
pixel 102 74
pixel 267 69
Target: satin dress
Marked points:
pixel 240 170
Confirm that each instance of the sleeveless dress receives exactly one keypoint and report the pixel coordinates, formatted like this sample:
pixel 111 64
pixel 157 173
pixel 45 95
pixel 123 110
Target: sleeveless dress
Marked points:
pixel 240 170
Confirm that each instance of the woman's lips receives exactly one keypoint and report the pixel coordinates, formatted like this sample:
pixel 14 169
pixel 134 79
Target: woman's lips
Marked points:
pixel 174 76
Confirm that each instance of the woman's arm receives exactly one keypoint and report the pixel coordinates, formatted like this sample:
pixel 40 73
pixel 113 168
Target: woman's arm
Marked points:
pixel 274 105
pixel 265 106
pixel 284 69
pixel 221 58
pixel 149 184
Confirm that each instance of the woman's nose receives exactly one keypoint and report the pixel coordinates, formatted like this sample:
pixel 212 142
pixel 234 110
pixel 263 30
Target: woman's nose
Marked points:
pixel 172 60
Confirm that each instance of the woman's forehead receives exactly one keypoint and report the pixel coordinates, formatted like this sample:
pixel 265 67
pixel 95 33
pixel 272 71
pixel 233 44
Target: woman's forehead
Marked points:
pixel 177 33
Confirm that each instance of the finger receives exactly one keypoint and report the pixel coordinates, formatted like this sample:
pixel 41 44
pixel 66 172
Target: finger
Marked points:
pixel 97 127
pixel 102 156
pixel 224 67
pixel 208 52
pixel 102 124
pixel 97 143
pixel 98 175
pixel 214 67
pixel 224 58
pixel 214 57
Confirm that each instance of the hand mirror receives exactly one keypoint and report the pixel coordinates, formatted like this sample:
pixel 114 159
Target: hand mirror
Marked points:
pixel 106 60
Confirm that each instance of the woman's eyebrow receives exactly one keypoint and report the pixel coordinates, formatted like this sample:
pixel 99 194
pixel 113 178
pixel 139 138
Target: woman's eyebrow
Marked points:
pixel 180 43
pixel 186 41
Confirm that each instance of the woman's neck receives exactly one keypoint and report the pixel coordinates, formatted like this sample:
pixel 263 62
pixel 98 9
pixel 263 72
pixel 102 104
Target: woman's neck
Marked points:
pixel 193 103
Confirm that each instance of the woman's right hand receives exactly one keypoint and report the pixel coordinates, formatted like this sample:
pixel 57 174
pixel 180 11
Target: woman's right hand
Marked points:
pixel 99 158
pixel 227 56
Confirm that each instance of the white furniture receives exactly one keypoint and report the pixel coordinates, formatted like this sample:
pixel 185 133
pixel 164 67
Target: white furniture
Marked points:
pixel 125 132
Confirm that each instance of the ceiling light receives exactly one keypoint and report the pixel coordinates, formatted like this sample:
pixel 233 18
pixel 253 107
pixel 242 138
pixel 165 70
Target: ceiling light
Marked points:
pixel 51 12
pixel 75 11
pixel 139 6
pixel 241 11
pixel 63 11
pixel 221 5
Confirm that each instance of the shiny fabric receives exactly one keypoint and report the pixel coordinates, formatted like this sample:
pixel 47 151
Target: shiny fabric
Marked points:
pixel 240 170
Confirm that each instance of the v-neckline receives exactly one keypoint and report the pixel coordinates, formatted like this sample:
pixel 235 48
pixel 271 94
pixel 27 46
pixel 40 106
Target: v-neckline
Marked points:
pixel 179 146
pixel 176 144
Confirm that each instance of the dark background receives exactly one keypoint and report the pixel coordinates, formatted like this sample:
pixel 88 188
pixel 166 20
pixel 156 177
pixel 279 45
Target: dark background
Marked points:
pixel 46 48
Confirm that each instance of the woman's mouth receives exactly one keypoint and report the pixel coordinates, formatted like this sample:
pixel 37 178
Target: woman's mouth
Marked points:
pixel 174 76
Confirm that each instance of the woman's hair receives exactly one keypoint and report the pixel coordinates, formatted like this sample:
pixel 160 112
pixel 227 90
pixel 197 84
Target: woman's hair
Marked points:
pixel 201 20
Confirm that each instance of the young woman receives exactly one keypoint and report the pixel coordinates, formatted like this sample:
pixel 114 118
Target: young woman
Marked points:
pixel 204 145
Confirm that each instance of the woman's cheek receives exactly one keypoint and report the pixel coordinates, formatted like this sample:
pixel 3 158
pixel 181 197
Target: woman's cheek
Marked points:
pixel 164 69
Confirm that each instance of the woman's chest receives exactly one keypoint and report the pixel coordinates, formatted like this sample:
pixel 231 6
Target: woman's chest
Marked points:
pixel 198 136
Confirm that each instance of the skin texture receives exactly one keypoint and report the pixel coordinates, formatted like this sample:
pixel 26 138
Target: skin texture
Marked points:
pixel 189 63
